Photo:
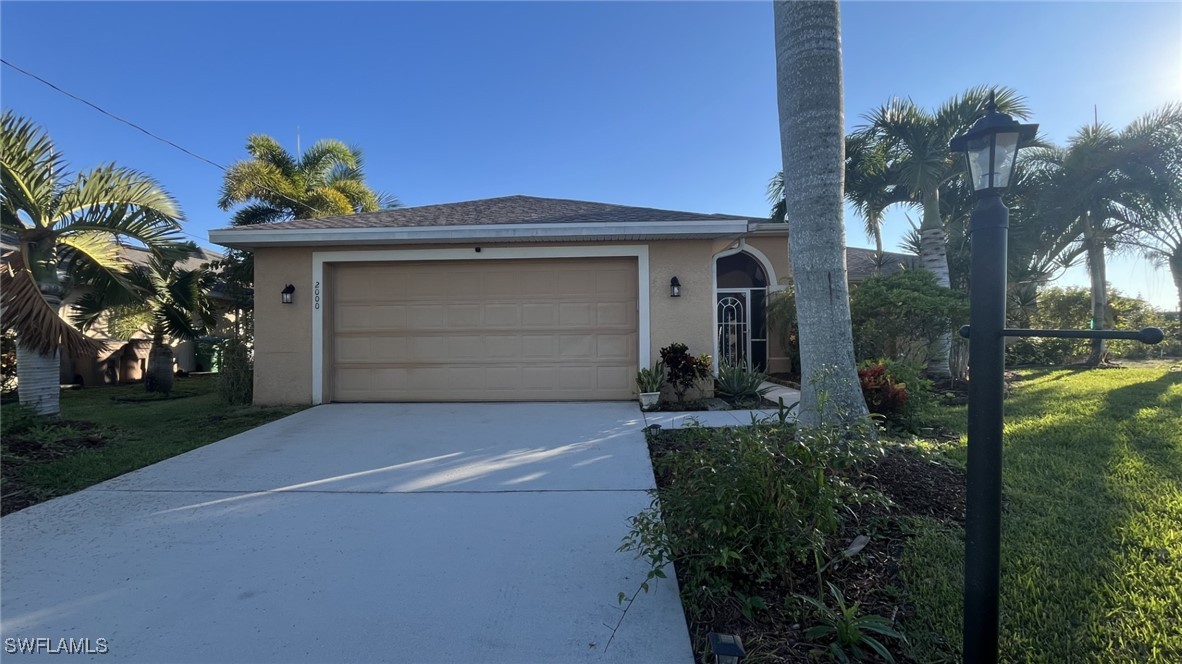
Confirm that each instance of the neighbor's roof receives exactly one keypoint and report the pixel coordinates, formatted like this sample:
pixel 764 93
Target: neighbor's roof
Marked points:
pixel 509 218
pixel 862 263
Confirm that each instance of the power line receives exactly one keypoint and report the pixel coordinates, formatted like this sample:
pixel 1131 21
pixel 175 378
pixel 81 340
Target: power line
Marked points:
pixel 145 131
pixel 112 115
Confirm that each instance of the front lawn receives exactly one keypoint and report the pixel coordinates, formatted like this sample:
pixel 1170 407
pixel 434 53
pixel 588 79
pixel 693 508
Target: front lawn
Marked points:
pixel 1092 527
pixel 1092 530
pixel 105 432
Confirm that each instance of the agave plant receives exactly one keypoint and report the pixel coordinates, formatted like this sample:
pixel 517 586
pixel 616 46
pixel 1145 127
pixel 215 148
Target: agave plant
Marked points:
pixel 738 383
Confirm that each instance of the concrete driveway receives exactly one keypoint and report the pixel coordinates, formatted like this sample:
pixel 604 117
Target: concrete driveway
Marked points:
pixel 358 533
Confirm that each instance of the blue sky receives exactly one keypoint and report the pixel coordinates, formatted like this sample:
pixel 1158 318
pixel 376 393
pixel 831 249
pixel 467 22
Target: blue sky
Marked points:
pixel 655 104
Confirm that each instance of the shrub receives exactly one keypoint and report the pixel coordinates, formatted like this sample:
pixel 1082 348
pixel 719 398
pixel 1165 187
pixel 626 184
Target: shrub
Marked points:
pixel 781 317
pixel 897 391
pixel 684 370
pixel 738 383
pixel 236 380
pixel 744 508
pixel 651 380
pixel 1071 309
pixel 7 362
pixel 900 315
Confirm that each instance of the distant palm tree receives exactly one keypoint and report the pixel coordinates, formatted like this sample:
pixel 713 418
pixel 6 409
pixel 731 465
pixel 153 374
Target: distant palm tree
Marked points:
pixel 1106 183
pixel 166 301
pixel 67 231
pixel 327 180
pixel 809 87
pixel 911 146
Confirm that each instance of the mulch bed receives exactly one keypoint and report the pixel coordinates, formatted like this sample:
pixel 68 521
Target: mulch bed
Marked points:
pixel 52 440
pixel 916 485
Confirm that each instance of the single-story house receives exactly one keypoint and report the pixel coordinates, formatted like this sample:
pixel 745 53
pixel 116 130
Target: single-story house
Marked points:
pixel 503 299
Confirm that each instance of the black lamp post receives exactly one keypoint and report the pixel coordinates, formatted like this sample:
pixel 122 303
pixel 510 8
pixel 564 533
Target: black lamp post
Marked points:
pixel 991 146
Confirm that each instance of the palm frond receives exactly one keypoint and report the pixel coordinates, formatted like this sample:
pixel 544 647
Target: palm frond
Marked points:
pixel 268 151
pixel 30 171
pixel 259 213
pixel 37 325
pixel 320 159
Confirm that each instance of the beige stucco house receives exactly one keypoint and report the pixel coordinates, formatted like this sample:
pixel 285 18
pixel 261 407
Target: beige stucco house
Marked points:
pixel 503 299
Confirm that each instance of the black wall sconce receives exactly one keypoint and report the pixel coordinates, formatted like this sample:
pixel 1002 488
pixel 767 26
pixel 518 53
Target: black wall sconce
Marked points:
pixel 287 293
pixel 674 287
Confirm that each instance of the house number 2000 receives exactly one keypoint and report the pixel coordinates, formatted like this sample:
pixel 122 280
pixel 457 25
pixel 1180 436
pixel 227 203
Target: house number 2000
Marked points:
pixel 316 296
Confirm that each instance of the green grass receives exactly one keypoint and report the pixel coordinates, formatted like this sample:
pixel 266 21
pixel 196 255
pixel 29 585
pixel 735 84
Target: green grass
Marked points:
pixel 1092 532
pixel 140 429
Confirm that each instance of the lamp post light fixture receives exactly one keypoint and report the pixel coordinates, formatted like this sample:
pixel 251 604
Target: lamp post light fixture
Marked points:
pixel 991 147
pixel 727 648
pixel 674 287
pixel 287 293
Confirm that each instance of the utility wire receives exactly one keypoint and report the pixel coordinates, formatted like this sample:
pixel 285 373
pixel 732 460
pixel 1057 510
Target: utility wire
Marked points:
pixel 145 131
pixel 112 115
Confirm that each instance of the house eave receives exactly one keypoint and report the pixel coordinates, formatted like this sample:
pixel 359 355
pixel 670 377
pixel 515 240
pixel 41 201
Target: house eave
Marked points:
pixel 240 238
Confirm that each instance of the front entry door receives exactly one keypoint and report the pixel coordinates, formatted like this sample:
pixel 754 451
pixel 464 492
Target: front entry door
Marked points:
pixel 742 328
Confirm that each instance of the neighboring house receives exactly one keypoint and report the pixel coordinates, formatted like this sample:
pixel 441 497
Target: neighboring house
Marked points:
pixel 504 299
pixel 123 361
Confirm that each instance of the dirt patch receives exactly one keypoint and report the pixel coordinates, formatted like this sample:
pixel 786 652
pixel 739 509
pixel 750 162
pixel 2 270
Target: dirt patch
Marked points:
pixel 44 442
pixel 920 486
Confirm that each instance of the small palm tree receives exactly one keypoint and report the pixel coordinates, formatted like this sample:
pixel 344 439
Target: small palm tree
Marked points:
pixel 910 145
pixel 1105 183
pixel 327 180
pixel 67 233
pixel 164 300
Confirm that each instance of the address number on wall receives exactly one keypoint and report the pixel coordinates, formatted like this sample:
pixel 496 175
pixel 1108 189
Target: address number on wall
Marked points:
pixel 316 295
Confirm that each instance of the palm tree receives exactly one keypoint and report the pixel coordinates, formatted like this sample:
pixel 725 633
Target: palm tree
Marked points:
pixel 66 232
pixel 327 180
pixel 910 145
pixel 166 301
pixel 809 86
pixel 1100 182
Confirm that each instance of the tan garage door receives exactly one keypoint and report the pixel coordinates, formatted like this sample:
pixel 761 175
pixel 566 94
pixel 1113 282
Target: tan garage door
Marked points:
pixel 487 330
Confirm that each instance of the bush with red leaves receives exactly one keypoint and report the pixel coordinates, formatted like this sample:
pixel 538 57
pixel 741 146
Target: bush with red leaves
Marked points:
pixel 884 395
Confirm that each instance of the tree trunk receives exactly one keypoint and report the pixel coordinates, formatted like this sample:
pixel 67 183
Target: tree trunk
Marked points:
pixel 809 90
pixel 38 380
pixel 933 255
pixel 159 376
pixel 1099 277
pixel 1176 271
pixel 39 375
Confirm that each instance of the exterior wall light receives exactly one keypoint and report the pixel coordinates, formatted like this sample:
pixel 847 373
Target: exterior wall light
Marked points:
pixel 674 287
pixel 727 648
pixel 287 293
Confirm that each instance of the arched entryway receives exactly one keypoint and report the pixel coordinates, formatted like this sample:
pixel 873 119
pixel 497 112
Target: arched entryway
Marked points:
pixel 740 298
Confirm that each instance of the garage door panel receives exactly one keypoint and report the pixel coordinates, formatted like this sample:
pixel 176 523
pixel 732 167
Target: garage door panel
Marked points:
pixel 561 329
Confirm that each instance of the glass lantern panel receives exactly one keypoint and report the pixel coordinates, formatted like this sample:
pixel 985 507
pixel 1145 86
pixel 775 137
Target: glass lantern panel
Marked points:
pixel 978 158
pixel 1004 156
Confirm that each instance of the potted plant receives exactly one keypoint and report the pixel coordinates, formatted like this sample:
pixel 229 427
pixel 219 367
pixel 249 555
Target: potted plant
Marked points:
pixel 649 382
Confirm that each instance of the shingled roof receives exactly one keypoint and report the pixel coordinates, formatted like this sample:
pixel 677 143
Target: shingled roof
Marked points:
pixel 862 263
pixel 494 211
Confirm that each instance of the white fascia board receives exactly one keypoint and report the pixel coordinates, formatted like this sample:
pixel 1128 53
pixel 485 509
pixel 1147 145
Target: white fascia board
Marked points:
pixel 491 232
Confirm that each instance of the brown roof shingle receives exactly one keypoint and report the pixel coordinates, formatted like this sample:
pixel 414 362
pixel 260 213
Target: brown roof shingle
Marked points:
pixel 492 211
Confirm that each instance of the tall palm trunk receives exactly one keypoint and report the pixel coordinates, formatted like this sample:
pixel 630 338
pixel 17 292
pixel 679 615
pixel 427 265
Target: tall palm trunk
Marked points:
pixel 809 90
pixel 933 255
pixel 39 374
pixel 1176 270
pixel 1097 273
pixel 159 376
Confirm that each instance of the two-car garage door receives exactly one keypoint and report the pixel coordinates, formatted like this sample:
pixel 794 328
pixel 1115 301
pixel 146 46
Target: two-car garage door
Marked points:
pixel 483 330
